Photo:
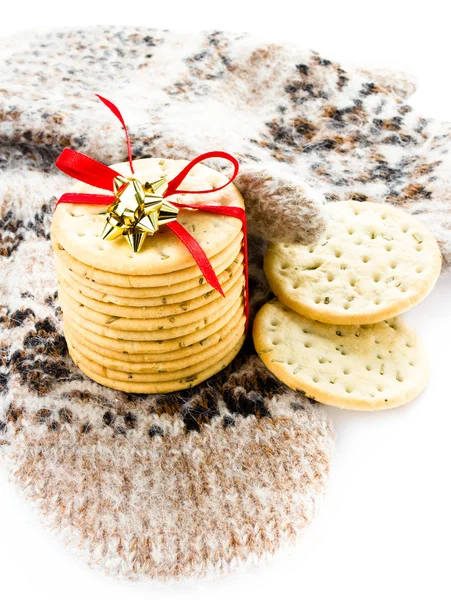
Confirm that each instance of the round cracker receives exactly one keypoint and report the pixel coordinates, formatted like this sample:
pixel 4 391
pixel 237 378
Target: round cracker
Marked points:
pixel 150 312
pixel 173 326
pixel 157 361
pixel 169 348
pixel 185 276
pixel 161 387
pixel 374 263
pixel 151 375
pixel 362 367
pixel 78 227
pixel 72 312
pixel 148 299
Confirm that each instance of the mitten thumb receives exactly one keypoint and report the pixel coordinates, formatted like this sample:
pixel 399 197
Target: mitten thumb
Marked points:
pixel 279 207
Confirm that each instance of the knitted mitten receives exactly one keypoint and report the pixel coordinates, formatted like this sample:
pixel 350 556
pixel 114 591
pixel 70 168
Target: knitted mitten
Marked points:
pixel 184 484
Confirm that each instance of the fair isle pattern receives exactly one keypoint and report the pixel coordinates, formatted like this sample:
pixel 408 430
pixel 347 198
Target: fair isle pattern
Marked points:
pixel 287 114
pixel 204 481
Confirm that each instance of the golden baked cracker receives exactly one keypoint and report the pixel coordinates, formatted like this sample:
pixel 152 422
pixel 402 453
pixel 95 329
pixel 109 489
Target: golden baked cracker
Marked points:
pixel 374 262
pixel 136 351
pixel 154 372
pixel 176 325
pixel 150 312
pixel 144 363
pixel 78 227
pixel 147 296
pixel 362 367
pixel 181 278
pixel 160 387
pixel 158 337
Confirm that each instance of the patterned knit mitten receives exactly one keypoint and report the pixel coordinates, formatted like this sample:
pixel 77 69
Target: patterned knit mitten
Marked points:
pixel 204 481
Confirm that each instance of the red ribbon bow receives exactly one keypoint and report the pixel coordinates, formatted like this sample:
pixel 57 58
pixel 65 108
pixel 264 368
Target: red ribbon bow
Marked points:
pixel 90 171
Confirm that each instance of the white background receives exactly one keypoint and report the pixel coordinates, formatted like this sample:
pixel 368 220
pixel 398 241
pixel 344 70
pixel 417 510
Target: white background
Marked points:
pixel 384 530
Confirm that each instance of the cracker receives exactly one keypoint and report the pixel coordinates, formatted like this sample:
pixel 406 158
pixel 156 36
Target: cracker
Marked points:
pixel 175 325
pixel 161 387
pixel 374 262
pixel 161 336
pixel 362 367
pixel 78 227
pixel 167 361
pixel 150 312
pixel 185 277
pixel 169 349
pixel 147 296
pixel 154 375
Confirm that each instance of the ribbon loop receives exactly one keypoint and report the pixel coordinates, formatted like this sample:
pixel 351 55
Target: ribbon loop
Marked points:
pixel 174 183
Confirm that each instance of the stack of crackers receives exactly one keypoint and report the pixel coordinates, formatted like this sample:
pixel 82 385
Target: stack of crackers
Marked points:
pixel 148 322
pixel 333 332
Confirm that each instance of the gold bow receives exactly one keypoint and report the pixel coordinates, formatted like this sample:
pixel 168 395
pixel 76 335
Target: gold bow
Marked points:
pixel 138 210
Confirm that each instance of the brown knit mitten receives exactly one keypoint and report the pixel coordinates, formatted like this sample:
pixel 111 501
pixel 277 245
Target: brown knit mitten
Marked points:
pixel 200 482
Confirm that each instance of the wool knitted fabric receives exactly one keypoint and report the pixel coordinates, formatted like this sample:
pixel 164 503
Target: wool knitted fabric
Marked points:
pixel 199 482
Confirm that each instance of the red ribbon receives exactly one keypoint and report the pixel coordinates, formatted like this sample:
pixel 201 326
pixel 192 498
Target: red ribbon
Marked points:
pixel 86 169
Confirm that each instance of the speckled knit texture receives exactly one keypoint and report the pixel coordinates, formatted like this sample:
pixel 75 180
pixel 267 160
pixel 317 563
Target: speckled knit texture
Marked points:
pixel 205 481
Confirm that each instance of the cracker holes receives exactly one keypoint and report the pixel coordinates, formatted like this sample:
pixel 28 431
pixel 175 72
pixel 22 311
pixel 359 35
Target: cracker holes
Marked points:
pixel 276 342
pixel 346 306
pixel 317 300
pixel 315 379
pixel 376 277
pixel 322 360
pixel 338 253
pixel 377 301
pixel 348 389
pixel 388 247
pixel 369 368
pixel 383 216
pixel 365 258
pixel 419 269
pixel 275 323
pixel 393 265
pixel 307 344
pixel 330 277
pixel 346 371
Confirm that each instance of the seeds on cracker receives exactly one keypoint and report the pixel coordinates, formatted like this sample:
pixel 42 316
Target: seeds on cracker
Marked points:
pixel 373 367
pixel 378 262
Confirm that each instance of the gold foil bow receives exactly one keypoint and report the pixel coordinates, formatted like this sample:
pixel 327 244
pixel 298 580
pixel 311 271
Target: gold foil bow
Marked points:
pixel 138 210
